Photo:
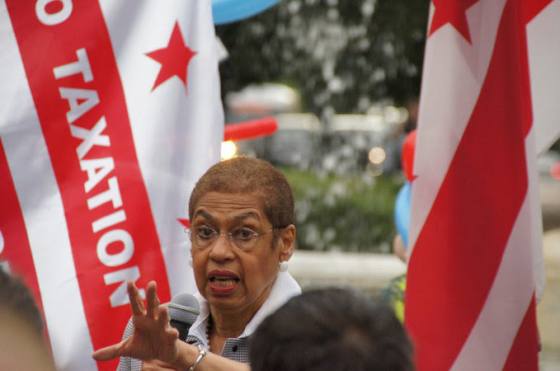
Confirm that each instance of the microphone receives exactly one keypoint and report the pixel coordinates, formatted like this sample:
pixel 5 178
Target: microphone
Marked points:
pixel 183 311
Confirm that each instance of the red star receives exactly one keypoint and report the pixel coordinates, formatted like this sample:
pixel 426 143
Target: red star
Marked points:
pixel 453 12
pixel 174 58
pixel 184 222
pixel 532 8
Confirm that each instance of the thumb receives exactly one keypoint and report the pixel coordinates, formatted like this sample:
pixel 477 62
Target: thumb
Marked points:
pixel 110 352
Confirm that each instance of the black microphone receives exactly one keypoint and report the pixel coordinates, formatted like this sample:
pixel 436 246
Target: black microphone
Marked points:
pixel 183 311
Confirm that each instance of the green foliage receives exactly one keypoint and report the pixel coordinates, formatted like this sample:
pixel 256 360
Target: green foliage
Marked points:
pixel 340 55
pixel 347 213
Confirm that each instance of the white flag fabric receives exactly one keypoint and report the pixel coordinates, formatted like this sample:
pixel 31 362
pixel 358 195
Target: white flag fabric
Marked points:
pixel 489 103
pixel 110 112
pixel 544 59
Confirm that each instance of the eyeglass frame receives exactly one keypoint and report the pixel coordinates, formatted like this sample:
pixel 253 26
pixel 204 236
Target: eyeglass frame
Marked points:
pixel 229 237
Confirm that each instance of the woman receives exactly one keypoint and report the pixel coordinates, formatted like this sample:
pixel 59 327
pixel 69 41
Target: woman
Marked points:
pixel 242 233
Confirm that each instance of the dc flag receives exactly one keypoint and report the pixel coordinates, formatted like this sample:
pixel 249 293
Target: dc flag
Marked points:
pixel 110 112
pixel 489 103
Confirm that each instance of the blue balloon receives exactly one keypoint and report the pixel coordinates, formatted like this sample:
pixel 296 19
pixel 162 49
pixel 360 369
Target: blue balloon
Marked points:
pixel 402 212
pixel 228 11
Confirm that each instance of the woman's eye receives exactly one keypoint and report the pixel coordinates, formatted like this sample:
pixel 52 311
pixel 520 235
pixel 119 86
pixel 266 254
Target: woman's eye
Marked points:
pixel 205 232
pixel 243 234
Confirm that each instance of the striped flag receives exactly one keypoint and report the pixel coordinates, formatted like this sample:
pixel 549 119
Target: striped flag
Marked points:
pixel 110 112
pixel 489 102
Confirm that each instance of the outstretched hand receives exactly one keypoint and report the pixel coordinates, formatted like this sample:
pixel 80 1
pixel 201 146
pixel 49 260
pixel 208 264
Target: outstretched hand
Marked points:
pixel 153 337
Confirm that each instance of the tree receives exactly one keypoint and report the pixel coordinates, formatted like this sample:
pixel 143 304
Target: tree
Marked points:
pixel 341 55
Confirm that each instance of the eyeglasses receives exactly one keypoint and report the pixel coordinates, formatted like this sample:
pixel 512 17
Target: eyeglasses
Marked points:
pixel 243 238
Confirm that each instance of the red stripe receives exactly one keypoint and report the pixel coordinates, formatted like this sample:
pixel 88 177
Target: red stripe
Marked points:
pixel 16 250
pixel 459 249
pixel 524 351
pixel 44 47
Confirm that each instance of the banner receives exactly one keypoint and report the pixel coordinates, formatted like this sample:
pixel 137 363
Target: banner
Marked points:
pixel 111 111
pixel 476 267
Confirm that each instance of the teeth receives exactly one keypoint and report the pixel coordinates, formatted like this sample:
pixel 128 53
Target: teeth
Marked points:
pixel 223 279
pixel 223 282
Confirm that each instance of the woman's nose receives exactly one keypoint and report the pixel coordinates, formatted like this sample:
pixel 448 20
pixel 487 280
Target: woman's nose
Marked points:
pixel 222 248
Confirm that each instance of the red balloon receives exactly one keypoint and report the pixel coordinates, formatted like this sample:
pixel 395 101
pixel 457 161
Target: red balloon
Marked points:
pixel 251 129
pixel 555 171
pixel 407 157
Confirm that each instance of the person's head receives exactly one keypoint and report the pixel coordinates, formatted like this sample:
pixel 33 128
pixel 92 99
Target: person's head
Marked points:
pixel 412 106
pixel 242 228
pixel 22 344
pixel 16 298
pixel 331 329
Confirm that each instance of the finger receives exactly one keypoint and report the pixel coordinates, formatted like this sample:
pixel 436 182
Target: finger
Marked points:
pixel 155 365
pixel 172 334
pixel 162 364
pixel 152 299
pixel 135 300
pixel 107 353
pixel 163 316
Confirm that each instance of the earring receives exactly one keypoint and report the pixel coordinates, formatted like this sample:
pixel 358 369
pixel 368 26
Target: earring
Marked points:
pixel 283 266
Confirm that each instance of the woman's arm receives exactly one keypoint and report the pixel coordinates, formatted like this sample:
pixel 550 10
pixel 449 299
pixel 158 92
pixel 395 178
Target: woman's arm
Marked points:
pixel 154 338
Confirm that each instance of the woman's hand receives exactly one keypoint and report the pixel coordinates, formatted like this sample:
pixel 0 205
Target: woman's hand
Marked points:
pixel 153 337
pixel 155 341
pixel 156 365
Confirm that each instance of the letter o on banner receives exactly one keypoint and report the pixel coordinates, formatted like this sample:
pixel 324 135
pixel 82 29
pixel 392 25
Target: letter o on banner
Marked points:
pixel 57 17
pixel 122 256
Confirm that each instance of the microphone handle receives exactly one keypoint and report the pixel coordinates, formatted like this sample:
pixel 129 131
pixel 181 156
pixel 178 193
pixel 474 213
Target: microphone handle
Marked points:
pixel 182 327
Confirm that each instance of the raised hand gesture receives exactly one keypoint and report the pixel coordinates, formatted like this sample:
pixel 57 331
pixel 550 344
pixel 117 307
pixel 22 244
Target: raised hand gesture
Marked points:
pixel 155 341
pixel 153 337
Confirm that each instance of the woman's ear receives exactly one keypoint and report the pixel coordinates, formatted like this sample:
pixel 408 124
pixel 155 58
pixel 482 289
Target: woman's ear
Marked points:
pixel 287 240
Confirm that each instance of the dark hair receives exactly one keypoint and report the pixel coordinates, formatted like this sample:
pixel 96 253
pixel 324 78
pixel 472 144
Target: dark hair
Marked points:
pixel 16 299
pixel 331 329
pixel 249 175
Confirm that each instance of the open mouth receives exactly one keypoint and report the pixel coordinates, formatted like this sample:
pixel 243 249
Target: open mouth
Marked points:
pixel 217 279
pixel 222 281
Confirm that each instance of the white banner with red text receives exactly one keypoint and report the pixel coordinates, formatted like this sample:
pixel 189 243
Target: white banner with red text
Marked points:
pixel 110 112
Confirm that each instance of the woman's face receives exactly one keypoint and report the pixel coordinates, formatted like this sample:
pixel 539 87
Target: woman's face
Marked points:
pixel 236 274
